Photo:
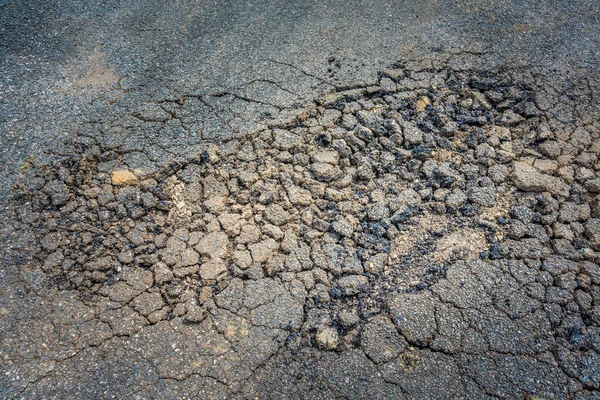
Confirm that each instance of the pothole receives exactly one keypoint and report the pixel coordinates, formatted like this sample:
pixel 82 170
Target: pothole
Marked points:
pixel 373 191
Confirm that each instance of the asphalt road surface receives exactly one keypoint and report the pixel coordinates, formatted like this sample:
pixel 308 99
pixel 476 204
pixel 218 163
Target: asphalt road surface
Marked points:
pixel 317 200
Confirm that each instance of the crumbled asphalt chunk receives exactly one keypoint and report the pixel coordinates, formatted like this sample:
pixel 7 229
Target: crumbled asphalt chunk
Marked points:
pixel 527 178
pixel 437 226
pixel 484 196
pixel 342 227
pixel 381 340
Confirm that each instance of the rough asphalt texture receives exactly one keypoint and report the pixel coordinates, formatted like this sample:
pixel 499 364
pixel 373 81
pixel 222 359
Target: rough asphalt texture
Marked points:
pixel 308 200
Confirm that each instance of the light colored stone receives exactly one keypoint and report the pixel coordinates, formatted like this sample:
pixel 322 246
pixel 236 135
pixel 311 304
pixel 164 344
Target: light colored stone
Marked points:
pixel 352 284
pixel 324 172
pixel 409 197
pixel 327 338
pixel 215 204
pixel 273 231
pixel 422 104
pixel 285 140
pixel 290 242
pixel 456 199
pixel 123 177
pixel 126 257
pixel 146 303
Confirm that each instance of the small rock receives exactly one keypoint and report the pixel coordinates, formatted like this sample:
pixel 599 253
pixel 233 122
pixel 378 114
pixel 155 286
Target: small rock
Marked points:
pixel 352 284
pixel 58 192
pixel 422 104
pixel 593 185
pixel 364 172
pixel 509 117
pixel 51 241
pixel 592 232
pixel 273 231
pixel 378 211
pixel 403 214
pixel 482 100
pixel 123 177
pixel 498 173
pixel 495 252
pixel 289 242
pixel 571 212
pixel 588 253
pixel 335 195
pixel 146 303
pixel 247 153
pixel 228 221
pixel 126 257
pixel 194 313
pixel 189 257
pixel 54 260
pixel 93 192
pixel 285 140
pixel 551 149
pixel 485 154
pixel 409 197
pixel 327 338
pixel 162 273
pixel 567 173
pixel 210 155
pixel 546 166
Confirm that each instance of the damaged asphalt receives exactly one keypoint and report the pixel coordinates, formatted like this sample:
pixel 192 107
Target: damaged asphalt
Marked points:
pixel 300 200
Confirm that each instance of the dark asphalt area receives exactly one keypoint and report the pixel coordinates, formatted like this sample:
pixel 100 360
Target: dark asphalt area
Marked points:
pixel 276 52
pixel 148 88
